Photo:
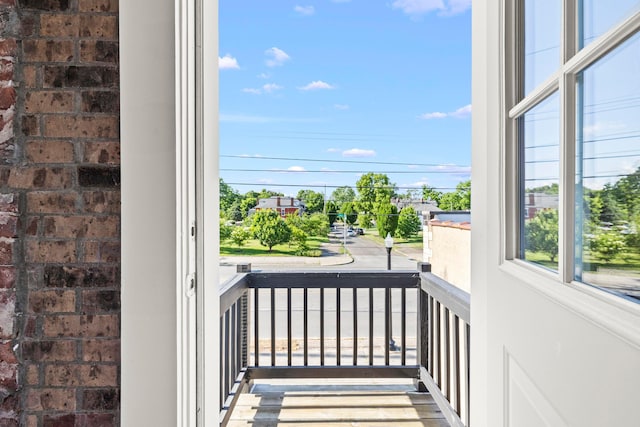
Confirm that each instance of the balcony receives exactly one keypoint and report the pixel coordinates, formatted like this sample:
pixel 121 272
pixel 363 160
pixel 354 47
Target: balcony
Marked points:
pixel 344 348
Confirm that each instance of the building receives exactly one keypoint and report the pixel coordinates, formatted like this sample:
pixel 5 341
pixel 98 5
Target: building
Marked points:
pixel 99 302
pixel 283 205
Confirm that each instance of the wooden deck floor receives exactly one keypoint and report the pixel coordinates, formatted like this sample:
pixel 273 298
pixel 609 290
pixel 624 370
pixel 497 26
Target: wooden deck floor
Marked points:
pixel 334 405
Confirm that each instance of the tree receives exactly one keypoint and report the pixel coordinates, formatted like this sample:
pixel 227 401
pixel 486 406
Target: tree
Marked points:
pixel 316 224
pixel 342 195
pixel 299 240
pixel 269 228
pixel 227 197
pixel 247 204
pixel 409 223
pixel 365 220
pixel 225 231
pixel 313 201
pixel 374 188
pixel 387 219
pixel 239 235
pixel 608 245
pixel 351 216
pixel 458 200
pixel 541 233
pixel 332 212
pixel 430 193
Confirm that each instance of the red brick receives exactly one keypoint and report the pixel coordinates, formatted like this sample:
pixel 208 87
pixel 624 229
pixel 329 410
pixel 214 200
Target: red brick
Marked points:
pixel 96 420
pixel 32 227
pixel 101 399
pixel 29 73
pixel 6 70
pixel 48 102
pixel 32 421
pixel 81 226
pixel 7 277
pixel 88 277
pixel 64 420
pixel 7 97
pixel 6 352
pixel 49 351
pixel 8 225
pixel 40 178
pixel 81 326
pixel 50 151
pixel 8 47
pixel 7 313
pixel 51 399
pixel 81 127
pixel 9 202
pixel 62 375
pixel 9 376
pixel 102 152
pixel 100 301
pixel 52 302
pixel 33 374
pixel 101 201
pixel 99 26
pixel 59 25
pixel 98 375
pixel 6 253
pixel 51 202
pixel 103 350
pixel 44 50
pixel 51 251
pixel 98 5
pixel 99 51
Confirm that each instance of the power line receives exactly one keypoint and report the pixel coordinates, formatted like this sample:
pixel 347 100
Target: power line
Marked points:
pixel 266 185
pixel 334 171
pixel 363 162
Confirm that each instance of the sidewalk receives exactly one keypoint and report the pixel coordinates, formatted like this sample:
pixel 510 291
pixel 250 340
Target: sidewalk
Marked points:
pixel 324 260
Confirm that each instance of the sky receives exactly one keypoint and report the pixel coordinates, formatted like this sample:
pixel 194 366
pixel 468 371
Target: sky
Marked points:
pixel 356 85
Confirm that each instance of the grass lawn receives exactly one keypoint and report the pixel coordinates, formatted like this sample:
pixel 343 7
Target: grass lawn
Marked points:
pixel 629 261
pixel 411 242
pixel 254 248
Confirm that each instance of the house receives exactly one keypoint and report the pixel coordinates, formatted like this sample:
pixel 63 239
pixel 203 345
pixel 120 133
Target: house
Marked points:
pixel 103 319
pixel 535 202
pixel 283 205
pixel 447 246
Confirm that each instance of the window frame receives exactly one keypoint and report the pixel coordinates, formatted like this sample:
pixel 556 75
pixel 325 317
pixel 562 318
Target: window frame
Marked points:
pixel 562 80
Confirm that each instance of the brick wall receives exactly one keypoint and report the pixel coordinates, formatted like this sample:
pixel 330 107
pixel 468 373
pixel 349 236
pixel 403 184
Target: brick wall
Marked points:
pixel 59 213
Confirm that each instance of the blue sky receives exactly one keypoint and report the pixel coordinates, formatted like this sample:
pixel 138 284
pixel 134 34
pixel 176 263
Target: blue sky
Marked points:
pixel 350 83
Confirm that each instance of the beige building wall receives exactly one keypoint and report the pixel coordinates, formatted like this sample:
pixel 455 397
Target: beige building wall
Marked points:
pixel 447 246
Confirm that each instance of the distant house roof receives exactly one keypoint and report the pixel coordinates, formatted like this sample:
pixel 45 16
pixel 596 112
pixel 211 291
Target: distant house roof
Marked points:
pixel 276 202
pixel 420 205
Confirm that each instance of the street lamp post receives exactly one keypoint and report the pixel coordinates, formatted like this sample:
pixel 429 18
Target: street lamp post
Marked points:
pixel 388 243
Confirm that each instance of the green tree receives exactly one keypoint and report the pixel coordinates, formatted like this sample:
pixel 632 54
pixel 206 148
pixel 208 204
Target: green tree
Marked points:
pixel 458 200
pixel 342 195
pixel 247 204
pixel 387 219
pixel 316 224
pixel 234 212
pixel 374 188
pixel 269 228
pixel 299 241
pixel 225 231
pixel 313 201
pixel 430 193
pixel 608 245
pixel 227 197
pixel 332 212
pixel 541 233
pixel 351 216
pixel 409 223
pixel 365 220
pixel 240 235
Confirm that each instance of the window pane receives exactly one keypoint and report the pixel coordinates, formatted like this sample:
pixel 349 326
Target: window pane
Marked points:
pixel 540 170
pixel 599 16
pixel 541 41
pixel 608 171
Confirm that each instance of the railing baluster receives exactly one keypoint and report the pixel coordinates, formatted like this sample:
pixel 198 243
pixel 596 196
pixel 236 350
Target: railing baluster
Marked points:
pixel 445 354
pixel 232 343
pixel 371 326
pixel 289 327
pixel 387 326
pixel 226 353
pixel 256 323
pixel 273 327
pixel 338 346
pixel 403 322
pixel 306 327
pixel 355 326
pixel 321 326
pixel 239 335
pixel 438 345
pixel 456 360
pixel 468 372
pixel 431 338
pixel 223 392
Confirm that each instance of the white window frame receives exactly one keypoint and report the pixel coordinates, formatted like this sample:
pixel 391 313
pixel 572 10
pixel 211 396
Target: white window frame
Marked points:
pixel 618 314
pixel 169 374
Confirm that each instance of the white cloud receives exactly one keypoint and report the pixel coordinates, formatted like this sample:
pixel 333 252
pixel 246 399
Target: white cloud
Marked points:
pixel 271 87
pixel 252 90
pixel 276 56
pixel 296 169
pixel 333 150
pixel 263 76
pixel 228 62
pixel 416 8
pixel 305 10
pixel 358 152
pixel 460 113
pixel 454 169
pixel 317 85
pixel 341 106
pixel 436 115
pixel 417 184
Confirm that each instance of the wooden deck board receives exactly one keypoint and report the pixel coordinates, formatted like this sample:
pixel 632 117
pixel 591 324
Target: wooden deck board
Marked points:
pixel 337 408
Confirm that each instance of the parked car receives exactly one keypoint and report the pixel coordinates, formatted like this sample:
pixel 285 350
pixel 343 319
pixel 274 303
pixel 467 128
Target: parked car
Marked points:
pixel 360 231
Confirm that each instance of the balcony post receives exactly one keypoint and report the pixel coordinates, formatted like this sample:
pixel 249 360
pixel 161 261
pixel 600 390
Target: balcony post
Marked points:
pixel 422 353
pixel 244 316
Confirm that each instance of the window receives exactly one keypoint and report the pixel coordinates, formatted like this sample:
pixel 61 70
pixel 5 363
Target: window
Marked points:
pixel 575 132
